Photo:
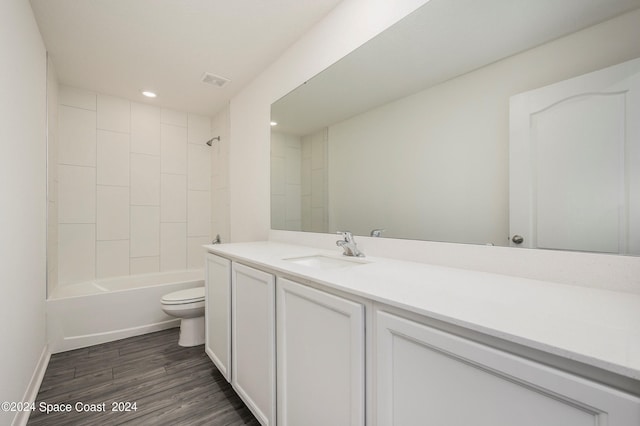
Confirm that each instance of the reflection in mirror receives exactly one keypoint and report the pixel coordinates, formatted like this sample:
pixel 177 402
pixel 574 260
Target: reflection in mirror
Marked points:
pixel 410 132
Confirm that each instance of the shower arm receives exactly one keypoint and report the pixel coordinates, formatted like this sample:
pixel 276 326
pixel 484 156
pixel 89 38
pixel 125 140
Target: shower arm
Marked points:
pixel 210 141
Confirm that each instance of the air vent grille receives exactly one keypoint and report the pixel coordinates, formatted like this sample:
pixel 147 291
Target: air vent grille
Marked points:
pixel 214 80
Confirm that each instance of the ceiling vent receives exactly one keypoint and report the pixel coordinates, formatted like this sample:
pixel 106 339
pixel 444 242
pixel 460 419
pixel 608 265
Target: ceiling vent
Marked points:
pixel 214 80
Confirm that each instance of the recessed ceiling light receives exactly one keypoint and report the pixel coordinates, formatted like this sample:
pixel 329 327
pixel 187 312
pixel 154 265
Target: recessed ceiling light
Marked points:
pixel 149 94
pixel 274 123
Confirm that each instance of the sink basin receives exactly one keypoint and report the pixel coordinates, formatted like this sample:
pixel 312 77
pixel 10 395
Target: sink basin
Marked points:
pixel 324 262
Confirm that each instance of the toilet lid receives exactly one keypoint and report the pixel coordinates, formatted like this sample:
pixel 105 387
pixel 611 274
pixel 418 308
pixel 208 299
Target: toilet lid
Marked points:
pixel 189 295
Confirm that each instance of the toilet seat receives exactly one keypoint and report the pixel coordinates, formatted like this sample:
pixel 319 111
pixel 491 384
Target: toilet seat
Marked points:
pixel 182 297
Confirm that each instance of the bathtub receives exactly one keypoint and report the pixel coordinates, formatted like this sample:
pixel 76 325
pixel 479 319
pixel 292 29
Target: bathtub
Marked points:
pixel 93 312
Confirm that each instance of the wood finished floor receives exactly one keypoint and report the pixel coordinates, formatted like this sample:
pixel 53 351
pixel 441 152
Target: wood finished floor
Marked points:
pixel 170 385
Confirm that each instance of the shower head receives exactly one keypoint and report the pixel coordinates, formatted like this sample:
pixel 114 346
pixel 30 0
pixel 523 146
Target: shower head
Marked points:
pixel 210 141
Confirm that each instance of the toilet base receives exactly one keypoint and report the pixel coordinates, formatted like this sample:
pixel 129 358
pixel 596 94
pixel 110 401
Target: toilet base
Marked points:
pixel 191 332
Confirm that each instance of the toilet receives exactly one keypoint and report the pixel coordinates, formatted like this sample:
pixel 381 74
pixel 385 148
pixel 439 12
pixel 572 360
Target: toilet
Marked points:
pixel 188 305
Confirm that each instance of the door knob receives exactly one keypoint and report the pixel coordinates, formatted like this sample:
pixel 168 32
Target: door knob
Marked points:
pixel 517 239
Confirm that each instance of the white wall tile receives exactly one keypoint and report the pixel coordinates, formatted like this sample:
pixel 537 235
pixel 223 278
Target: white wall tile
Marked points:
pixel 173 149
pixel 318 188
pixel 145 231
pixel 198 213
pixel 113 113
pixel 318 153
pixel 294 225
pixel 293 165
pixel 173 198
pixel 76 194
pixel 176 118
pixel 306 212
pixel 77 136
pixel 305 176
pixel 70 96
pixel 52 192
pixel 199 167
pixel 145 180
pixel 195 252
pixel 112 221
pixel 293 203
pixel 220 214
pixel 198 129
pixel 278 175
pixel 144 265
pixel 278 144
pixel 113 158
pixel 145 129
pixel 318 223
pixel 173 246
pixel 306 147
pixel 112 258
pixel 77 253
pixel 137 215
pixel 278 212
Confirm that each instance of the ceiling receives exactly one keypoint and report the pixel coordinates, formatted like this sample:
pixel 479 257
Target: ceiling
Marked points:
pixel 439 41
pixel 120 47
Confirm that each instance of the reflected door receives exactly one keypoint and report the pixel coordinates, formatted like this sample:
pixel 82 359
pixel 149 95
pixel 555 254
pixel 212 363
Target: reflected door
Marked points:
pixel 575 163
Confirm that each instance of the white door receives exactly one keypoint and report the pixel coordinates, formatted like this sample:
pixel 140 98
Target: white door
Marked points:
pixel 253 341
pixel 218 312
pixel 575 163
pixel 321 363
pixel 425 376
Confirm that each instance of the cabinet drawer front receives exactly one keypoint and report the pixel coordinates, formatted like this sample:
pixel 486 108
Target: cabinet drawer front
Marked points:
pixel 320 348
pixel 427 376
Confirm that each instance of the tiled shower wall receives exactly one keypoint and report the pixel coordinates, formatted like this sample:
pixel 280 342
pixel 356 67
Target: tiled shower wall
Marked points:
pixel 315 178
pixel 299 175
pixel 286 183
pixel 134 187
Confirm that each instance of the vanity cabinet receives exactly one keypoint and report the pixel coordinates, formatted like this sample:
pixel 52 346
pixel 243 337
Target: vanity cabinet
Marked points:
pixel 321 357
pixel 344 358
pixel 253 340
pixel 427 376
pixel 217 312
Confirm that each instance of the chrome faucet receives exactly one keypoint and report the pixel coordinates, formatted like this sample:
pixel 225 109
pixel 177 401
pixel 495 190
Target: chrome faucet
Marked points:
pixel 348 244
pixel 377 232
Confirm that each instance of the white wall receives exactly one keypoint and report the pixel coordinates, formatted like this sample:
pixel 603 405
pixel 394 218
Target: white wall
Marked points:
pixel 52 177
pixel 443 153
pixel 22 199
pixel 134 187
pixel 350 24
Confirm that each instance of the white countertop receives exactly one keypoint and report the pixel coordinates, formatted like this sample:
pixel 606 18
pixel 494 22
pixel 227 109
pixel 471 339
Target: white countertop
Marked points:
pixel 593 326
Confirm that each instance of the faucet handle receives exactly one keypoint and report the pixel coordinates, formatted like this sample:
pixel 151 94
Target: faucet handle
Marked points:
pixel 347 235
pixel 377 232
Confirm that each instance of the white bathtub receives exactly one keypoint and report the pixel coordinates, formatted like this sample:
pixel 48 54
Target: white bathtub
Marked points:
pixel 89 313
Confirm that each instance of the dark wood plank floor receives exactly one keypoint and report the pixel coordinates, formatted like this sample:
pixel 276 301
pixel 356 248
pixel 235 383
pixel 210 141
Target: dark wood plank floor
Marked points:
pixel 170 385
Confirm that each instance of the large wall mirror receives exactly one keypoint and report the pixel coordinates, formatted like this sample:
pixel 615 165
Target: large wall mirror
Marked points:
pixel 410 133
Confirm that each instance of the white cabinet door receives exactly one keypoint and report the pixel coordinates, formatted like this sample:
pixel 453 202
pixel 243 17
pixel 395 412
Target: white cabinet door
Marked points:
pixel 218 312
pixel 253 340
pixel 321 359
pixel 428 377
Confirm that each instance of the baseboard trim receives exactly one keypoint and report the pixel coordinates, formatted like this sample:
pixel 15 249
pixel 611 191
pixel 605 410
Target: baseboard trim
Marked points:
pixel 31 393
pixel 77 342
